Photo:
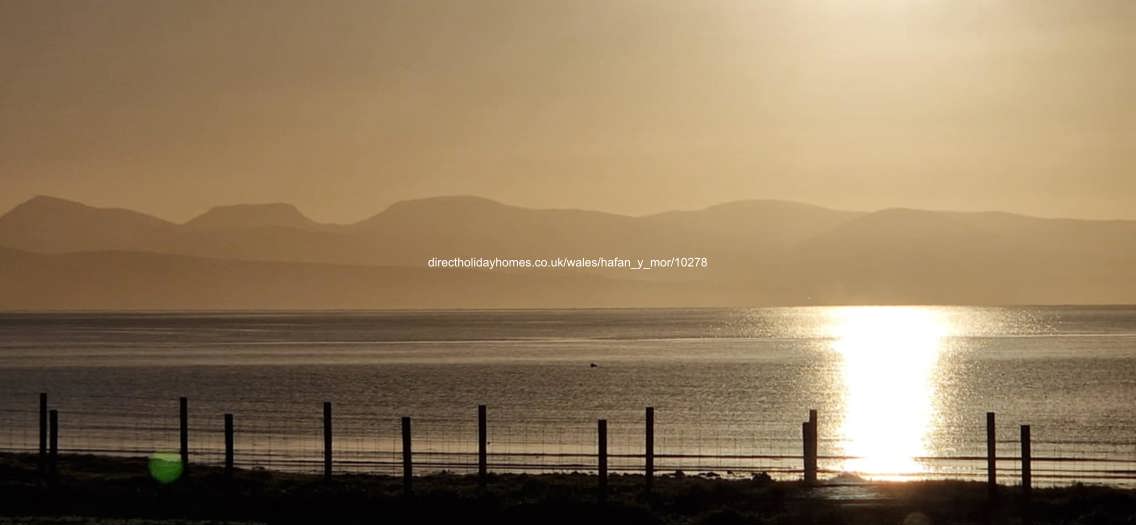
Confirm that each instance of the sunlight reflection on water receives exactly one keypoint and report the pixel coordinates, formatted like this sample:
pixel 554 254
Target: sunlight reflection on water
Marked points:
pixel 889 357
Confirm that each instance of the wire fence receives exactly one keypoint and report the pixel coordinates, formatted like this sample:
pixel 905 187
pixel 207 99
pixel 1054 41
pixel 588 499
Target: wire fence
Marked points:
pixel 290 439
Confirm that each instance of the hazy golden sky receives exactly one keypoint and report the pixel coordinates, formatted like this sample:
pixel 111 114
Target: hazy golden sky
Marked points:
pixel 629 106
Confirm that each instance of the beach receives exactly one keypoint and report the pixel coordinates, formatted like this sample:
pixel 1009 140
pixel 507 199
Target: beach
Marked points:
pixel 94 490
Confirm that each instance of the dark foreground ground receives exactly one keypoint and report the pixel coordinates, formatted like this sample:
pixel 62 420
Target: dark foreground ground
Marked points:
pixel 106 490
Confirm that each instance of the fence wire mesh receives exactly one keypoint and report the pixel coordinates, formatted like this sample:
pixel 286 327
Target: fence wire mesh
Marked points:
pixel 725 445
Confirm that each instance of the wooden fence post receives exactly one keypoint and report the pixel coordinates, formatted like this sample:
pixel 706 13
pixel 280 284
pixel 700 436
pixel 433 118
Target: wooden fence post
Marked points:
pixel 53 453
pixel 1027 476
pixel 805 434
pixel 649 449
pixel 1027 458
pixel 991 457
pixel 601 431
pixel 482 446
pixel 228 445
pixel 407 463
pixel 43 424
pixel 42 431
pixel 327 440
pixel 809 447
pixel 814 445
pixel 183 432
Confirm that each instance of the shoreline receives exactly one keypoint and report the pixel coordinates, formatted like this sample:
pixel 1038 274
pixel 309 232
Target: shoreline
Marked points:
pixel 95 489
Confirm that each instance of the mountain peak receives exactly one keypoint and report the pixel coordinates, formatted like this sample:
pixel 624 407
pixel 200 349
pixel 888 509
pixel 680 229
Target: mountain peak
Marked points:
pixel 251 216
pixel 447 201
pixel 452 208
pixel 47 202
pixel 46 207
pixel 52 224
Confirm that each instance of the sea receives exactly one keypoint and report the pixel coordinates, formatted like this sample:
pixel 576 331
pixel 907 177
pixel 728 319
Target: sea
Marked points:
pixel 900 392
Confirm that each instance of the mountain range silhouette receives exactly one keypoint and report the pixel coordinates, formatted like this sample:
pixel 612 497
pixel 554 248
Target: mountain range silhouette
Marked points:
pixel 61 254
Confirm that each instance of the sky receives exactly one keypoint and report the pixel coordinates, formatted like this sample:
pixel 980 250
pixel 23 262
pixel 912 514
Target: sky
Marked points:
pixel 342 108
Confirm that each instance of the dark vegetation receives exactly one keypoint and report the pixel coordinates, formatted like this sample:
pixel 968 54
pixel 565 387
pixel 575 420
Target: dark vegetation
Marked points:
pixel 100 488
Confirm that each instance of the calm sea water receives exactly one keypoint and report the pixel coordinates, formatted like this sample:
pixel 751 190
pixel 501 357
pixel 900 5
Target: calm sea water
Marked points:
pixel 892 384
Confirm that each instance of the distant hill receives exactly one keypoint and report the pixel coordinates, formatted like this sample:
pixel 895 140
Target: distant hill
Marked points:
pixel 48 224
pixel 407 233
pixel 761 253
pixel 247 216
pixel 148 281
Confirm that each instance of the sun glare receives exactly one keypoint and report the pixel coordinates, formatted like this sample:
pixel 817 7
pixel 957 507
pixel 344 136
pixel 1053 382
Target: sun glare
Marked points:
pixel 889 355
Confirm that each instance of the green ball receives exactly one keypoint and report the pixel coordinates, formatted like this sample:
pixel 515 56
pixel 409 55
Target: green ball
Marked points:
pixel 165 467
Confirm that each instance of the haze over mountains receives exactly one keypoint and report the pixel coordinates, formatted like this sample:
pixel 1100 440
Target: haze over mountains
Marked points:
pixel 59 254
